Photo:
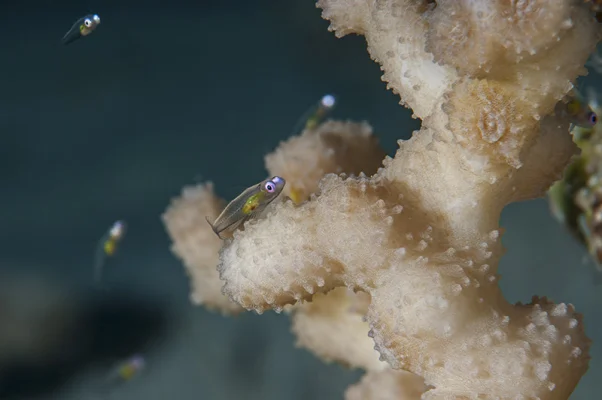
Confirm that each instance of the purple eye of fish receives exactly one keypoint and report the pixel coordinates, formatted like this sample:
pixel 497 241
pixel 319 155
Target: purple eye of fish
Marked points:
pixel 270 187
pixel 593 118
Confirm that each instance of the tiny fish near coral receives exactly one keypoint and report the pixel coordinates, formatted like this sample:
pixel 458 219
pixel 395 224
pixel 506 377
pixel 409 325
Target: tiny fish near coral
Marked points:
pixel 576 200
pixel 248 204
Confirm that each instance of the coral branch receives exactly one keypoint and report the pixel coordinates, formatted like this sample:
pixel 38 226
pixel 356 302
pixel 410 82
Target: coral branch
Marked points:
pixel 421 236
pixel 197 245
pixel 319 324
pixel 387 385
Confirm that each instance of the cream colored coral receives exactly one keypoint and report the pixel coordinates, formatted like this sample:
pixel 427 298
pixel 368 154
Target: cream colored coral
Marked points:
pixel 334 146
pixel 331 326
pixel 421 236
pixel 387 385
pixel 195 243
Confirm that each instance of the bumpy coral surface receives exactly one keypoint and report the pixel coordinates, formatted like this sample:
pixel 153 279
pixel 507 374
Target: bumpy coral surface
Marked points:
pixel 386 385
pixel 197 245
pixel 334 146
pixel 421 236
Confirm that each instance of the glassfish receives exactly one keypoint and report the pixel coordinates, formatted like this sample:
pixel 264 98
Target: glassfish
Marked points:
pixel 578 110
pixel 315 114
pixel 107 246
pixel 248 204
pixel 82 27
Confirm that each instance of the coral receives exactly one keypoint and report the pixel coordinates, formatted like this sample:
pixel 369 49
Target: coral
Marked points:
pixel 334 147
pixel 319 323
pixel 407 255
pixel 302 160
pixel 386 385
pixel 421 236
pixel 197 246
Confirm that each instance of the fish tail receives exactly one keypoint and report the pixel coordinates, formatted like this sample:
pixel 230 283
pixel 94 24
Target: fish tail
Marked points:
pixel 70 37
pixel 98 263
pixel 213 227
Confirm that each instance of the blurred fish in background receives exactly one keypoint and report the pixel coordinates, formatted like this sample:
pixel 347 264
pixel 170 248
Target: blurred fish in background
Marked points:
pixel 48 336
pixel 576 200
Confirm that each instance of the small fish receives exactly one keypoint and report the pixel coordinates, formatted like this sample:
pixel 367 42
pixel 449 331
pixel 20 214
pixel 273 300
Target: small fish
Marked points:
pixel 576 199
pixel 123 372
pixel 82 27
pixel 579 112
pixel 248 204
pixel 324 107
pixel 315 115
pixel 107 247
pixel 130 368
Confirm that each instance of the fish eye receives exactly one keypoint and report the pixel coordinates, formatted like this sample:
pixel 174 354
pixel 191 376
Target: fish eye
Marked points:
pixel 270 187
pixel 593 118
pixel 328 101
pixel 87 22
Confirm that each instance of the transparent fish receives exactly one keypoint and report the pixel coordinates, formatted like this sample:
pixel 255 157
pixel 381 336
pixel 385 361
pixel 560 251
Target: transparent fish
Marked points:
pixel 107 247
pixel 316 114
pixel 82 27
pixel 122 373
pixel 246 205
pixel 578 110
pixel 576 200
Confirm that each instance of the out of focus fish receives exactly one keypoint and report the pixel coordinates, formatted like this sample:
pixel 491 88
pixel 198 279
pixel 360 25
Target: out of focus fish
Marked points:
pixel 82 27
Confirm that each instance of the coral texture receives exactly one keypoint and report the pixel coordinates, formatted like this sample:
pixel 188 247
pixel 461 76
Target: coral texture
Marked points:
pixel 197 245
pixel 302 160
pixel 386 385
pixel 421 236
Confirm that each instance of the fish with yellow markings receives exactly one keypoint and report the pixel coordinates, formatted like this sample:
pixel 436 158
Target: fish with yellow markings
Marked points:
pixel 315 114
pixel 82 27
pixel 107 247
pixel 247 205
pixel 578 110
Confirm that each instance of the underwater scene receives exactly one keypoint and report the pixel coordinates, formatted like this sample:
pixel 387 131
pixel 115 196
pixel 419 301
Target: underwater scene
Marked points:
pixel 301 199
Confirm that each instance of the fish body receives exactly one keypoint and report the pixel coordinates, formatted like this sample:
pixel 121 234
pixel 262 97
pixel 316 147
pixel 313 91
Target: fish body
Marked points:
pixel 325 105
pixel 82 27
pixel 130 368
pixel 107 247
pixel 579 112
pixel 315 114
pixel 246 205
pixel 576 200
pixel 123 372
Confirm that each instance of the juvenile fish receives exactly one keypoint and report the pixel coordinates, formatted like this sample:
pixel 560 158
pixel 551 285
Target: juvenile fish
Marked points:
pixel 82 27
pixel 578 111
pixel 315 114
pixel 320 111
pixel 248 204
pixel 107 246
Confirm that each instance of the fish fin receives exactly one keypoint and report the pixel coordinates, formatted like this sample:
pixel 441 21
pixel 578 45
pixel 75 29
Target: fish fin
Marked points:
pixel 300 125
pixel 73 33
pixel 236 224
pixel 70 37
pixel 213 228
